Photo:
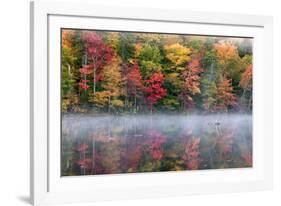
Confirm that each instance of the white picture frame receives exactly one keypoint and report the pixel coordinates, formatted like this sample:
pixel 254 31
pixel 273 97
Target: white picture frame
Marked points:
pixel 47 18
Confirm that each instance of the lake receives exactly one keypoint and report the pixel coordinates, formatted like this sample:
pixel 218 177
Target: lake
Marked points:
pixel 94 145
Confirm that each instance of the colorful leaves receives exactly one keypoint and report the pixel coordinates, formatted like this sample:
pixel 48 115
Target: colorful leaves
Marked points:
pixel 82 148
pixel 85 164
pixel 191 154
pixel 136 72
pixel 154 90
pixel 98 53
pixel 248 157
pixel 246 80
pixel 225 96
pixel 114 148
pixel 123 73
pixel 191 79
pixel 155 141
pixel 97 50
pixel 100 99
pixel 86 70
pixel 83 85
pixel 134 80
pixel 225 51
pixel 111 77
pixel 225 144
pixel 177 54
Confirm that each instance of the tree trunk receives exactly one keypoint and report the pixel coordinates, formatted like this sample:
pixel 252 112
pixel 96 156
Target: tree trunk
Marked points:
pixel 135 103
pixel 94 76
pixel 243 100
pixel 126 95
pixel 84 169
pixel 109 100
pixel 151 119
pixel 93 155
pixel 250 102
pixel 86 58
pixel 135 96
pixel 69 69
pixel 94 85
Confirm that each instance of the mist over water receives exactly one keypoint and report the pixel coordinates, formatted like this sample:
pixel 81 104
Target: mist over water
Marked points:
pixel 143 143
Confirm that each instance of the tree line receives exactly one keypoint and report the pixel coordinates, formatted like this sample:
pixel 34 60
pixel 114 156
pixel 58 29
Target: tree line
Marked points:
pixel 126 72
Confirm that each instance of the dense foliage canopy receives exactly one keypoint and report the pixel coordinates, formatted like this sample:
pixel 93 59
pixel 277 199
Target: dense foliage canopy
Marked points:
pixel 123 72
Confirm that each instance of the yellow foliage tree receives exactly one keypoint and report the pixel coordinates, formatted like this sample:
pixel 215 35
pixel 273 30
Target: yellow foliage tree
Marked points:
pixel 177 54
pixel 112 86
pixel 100 99
pixel 112 40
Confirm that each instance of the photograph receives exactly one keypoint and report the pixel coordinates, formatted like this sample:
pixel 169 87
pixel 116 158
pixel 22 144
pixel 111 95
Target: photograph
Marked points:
pixel 135 102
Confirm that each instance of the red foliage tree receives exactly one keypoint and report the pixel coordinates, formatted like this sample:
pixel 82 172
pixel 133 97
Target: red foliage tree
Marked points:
pixel 98 54
pixel 154 90
pixel 83 84
pixel 134 82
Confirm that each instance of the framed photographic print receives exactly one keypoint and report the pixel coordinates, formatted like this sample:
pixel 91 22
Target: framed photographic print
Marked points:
pixel 126 105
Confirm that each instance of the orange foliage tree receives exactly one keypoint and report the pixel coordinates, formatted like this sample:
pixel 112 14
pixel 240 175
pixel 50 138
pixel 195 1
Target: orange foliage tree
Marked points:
pixel 225 52
pixel 246 83
pixel 225 97
pixel 191 78
pixel 246 80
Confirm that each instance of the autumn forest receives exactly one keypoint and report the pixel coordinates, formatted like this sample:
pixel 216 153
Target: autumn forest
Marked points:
pixel 150 102
pixel 112 72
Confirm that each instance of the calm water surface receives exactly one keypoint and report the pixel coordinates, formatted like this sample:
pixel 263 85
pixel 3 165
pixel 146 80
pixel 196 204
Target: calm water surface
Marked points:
pixel 125 144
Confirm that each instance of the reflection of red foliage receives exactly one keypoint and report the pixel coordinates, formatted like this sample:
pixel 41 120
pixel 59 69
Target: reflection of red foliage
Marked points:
pixel 225 143
pixel 105 138
pixel 246 154
pixel 98 163
pixel 248 158
pixel 192 154
pixel 155 142
pixel 85 164
pixel 156 154
pixel 82 148
pixel 133 156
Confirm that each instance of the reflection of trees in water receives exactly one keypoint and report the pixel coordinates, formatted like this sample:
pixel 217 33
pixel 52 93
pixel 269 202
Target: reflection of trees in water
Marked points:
pixel 126 145
pixel 191 155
